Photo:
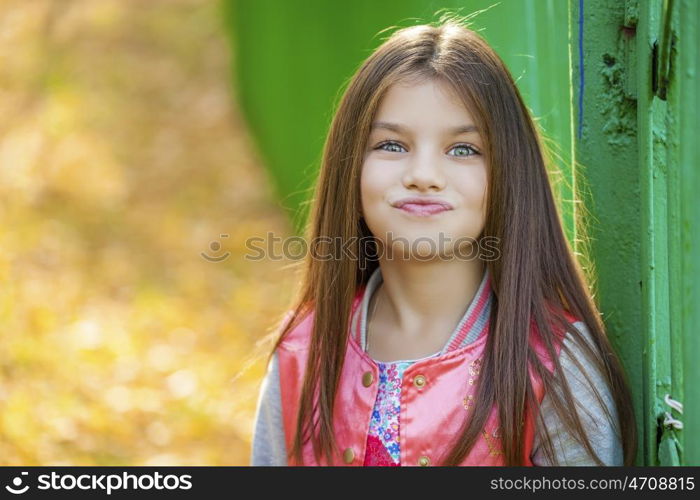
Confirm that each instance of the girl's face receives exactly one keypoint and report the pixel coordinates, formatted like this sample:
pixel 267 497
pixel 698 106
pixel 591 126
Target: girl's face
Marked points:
pixel 424 144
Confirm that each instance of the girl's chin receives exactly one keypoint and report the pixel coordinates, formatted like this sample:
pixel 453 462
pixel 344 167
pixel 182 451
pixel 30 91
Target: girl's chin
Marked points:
pixel 413 235
pixel 420 244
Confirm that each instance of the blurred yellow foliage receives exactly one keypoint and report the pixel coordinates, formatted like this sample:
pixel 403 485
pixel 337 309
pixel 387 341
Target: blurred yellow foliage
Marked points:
pixel 122 158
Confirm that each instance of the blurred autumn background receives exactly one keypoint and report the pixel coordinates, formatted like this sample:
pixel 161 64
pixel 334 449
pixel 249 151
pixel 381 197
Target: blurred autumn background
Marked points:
pixel 122 158
pixel 142 143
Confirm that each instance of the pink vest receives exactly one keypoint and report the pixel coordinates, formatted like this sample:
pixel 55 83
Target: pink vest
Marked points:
pixel 437 394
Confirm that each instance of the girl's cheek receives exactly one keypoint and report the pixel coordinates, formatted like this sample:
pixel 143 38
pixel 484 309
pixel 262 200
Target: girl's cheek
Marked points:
pixel 374 177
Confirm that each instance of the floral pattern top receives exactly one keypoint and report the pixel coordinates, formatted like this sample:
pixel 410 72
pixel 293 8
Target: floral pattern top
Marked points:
pixel 383 438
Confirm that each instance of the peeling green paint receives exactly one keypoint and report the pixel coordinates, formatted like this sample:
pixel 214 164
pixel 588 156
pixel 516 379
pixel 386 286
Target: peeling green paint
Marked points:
pixel 618 110
pixel 609 164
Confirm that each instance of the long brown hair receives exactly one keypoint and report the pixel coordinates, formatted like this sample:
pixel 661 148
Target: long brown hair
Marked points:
pixel 535 280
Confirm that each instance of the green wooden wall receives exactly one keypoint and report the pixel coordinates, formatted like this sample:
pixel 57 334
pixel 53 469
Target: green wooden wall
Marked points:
pixel 635 117
pixel 687 107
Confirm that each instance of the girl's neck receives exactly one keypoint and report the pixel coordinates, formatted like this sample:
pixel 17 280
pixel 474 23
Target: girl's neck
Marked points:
pixel 419 304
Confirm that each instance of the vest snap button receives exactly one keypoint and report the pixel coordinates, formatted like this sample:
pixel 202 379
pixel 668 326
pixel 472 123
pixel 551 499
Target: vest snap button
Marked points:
pixel 424 461
pixel 367 379
pixel 419 381
pixel 348 455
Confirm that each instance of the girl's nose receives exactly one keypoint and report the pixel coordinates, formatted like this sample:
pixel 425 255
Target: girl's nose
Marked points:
pixel 423 172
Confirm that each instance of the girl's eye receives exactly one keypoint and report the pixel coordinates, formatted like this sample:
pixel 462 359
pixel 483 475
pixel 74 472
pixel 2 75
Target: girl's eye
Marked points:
pixel 389 143
pixel 463 147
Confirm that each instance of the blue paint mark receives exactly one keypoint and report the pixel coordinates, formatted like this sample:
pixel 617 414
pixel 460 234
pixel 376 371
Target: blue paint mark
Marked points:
pixel 580 66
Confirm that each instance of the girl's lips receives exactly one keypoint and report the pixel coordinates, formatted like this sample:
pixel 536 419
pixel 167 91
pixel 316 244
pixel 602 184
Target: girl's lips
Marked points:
pixel 423 209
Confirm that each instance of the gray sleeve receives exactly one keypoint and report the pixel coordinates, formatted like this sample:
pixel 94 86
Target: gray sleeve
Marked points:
pixel 603 435
pixel 269 446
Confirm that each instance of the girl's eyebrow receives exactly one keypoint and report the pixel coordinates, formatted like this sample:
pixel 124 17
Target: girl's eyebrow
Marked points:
pixel 395 127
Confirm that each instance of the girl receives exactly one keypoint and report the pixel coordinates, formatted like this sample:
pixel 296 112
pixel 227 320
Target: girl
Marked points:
pixel 455 327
